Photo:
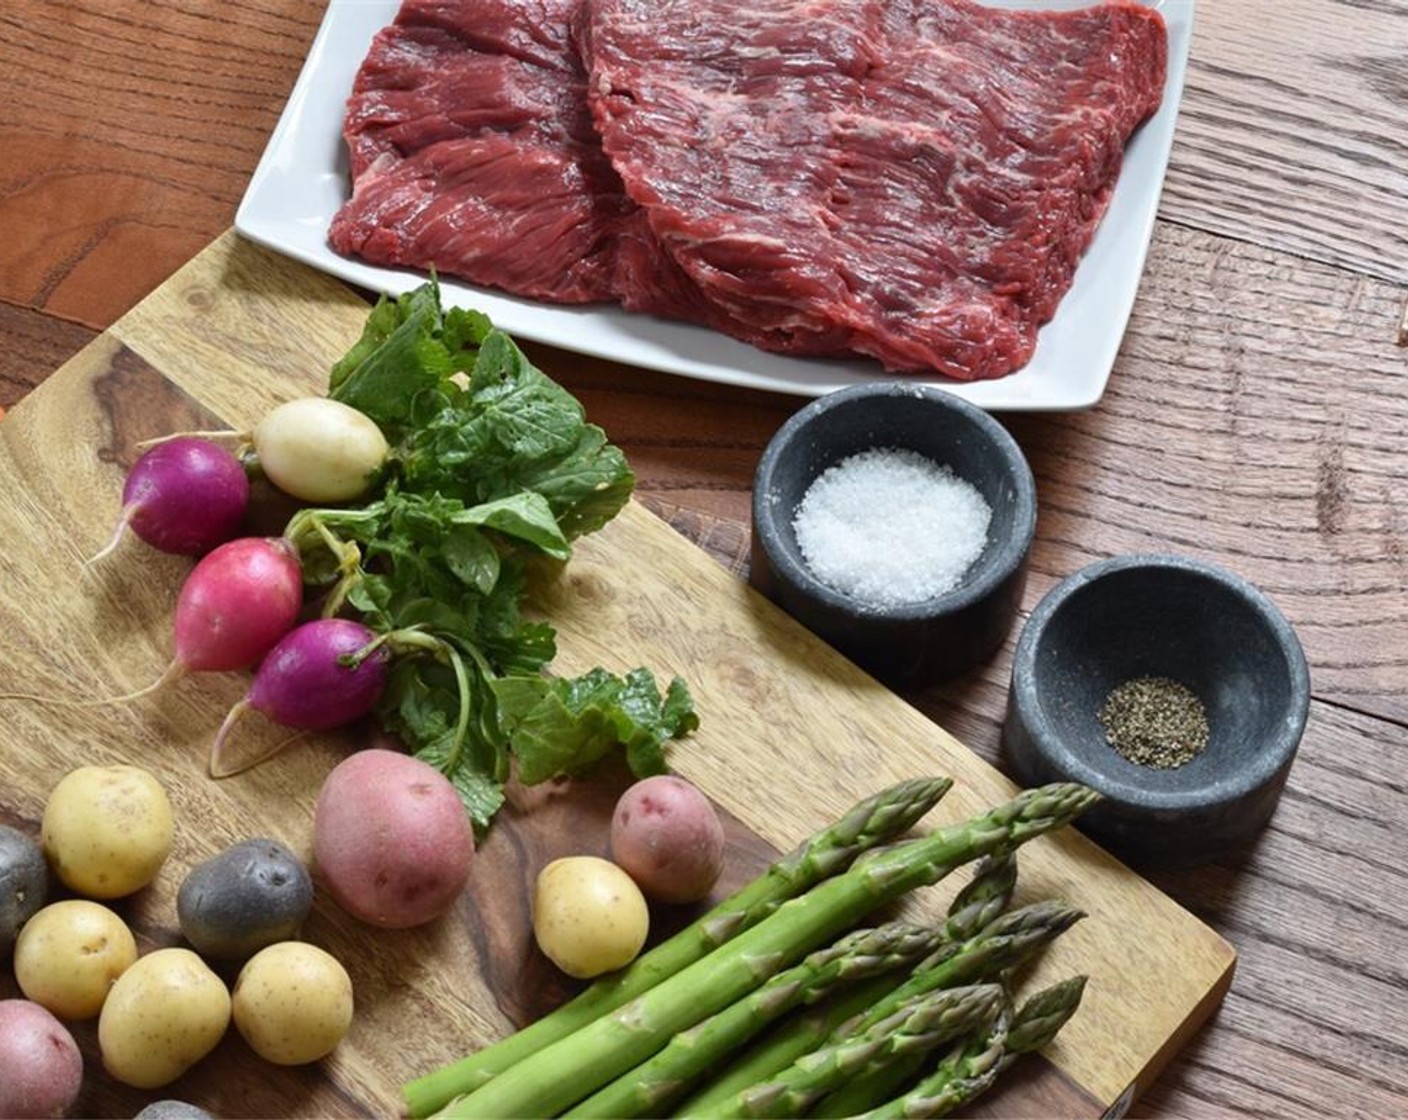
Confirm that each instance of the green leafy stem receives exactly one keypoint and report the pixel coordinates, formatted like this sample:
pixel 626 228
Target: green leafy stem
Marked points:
pixel 468 692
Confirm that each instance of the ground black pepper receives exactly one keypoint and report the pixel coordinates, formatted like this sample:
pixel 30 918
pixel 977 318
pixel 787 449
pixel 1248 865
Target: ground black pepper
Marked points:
pixel 1155 721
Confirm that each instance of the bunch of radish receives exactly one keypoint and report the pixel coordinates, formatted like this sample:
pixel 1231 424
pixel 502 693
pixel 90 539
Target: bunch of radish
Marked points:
pixel 239 607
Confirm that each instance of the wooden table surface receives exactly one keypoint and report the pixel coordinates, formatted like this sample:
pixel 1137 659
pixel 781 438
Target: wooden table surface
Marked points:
pixel 1257 417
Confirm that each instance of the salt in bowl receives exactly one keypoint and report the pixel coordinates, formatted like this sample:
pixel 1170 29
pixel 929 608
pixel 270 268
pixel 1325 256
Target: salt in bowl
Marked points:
pixel 908 643
pixel 1162 617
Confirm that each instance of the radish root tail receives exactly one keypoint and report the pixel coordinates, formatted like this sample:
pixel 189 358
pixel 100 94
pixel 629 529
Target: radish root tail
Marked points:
pixel 217 750
pixel 121 531
pixel 219 768
pixel 157 441
pixel 174 672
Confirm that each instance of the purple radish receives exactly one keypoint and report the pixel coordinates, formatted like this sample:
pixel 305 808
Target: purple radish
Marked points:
pixel 311 681
pixel 183 496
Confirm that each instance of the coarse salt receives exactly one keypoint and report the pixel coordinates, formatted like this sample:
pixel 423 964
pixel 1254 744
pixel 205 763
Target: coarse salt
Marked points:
pixel 890 527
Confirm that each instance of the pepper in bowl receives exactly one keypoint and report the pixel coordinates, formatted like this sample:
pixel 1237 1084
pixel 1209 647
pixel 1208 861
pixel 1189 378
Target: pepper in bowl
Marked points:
pixel 1172 686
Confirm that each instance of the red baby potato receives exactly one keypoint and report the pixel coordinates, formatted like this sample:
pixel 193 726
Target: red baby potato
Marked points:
pixel 668 837
pixel 391 840
pixel 41 1069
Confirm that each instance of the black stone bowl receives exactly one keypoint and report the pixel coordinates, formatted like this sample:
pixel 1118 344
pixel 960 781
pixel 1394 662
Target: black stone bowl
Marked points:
pixel 1160 616
pixel 911 644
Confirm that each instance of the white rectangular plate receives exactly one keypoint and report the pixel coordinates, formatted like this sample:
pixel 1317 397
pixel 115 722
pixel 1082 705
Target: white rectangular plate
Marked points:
pixel 302 179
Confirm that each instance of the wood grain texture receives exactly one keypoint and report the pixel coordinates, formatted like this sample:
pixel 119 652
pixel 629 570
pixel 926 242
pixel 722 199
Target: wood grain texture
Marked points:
pixel 34 346
pixel 632 594
pixel 1292 131
pixel 130 132
pixel 1234 431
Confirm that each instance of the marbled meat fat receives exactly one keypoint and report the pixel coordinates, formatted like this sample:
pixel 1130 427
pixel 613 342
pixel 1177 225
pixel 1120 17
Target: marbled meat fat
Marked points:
pixel 912 180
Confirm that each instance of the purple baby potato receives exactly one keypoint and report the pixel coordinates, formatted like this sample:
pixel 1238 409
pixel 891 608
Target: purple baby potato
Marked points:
pixel 249 896
pixel 24 884
pixel 172 1110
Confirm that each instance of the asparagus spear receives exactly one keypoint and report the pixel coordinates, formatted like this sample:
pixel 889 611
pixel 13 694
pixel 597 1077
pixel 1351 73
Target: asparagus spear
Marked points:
pixel 1039 1019
pixel 797 1035
pixel 982 900
pixel 557 1076
pixel 866 952
pixel 1006 943
pixel 971 1069
pixel 876 820
pixel 986 897
pixel 967 1070
pixel 916 1028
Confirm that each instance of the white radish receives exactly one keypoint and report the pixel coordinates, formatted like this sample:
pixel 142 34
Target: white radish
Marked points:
pixel 320 450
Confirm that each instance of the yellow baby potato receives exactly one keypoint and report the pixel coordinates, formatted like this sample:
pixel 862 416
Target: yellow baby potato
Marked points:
pixel 589 916
pixel 293 1003
pixel 164 1014
pixel 107 830
pixel 69 955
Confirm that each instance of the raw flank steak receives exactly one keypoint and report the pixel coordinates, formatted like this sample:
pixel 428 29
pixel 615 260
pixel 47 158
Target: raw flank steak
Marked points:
pixel 910 181
pixel 472 151
pixel 916 178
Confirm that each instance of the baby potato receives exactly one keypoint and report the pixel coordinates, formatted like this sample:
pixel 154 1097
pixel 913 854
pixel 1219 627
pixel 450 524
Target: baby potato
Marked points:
pixel 392 843
pixel 41 1067
pixel 172 1110
pixel 668 837
pixel 589 916
pixel 107 830
pixel 24 883
pixel 293 1003
pixel 70 954
pixel 162 1016
pixel 252 894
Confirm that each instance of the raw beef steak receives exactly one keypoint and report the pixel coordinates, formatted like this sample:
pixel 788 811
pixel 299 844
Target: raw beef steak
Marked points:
pixel 910 179
pixel 472 151
pixel 913 181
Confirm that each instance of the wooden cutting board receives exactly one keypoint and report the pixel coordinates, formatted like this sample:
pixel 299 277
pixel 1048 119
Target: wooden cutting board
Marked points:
pixel 792 734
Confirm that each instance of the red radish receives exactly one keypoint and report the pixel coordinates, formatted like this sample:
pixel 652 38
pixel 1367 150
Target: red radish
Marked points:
pixel 183 496
pixel 311 681
pixel 236 604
